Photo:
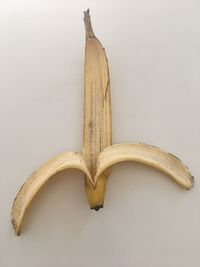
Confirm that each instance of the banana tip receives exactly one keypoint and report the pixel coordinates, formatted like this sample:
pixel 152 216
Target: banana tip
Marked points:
pixel 16 227
pixel 97 207
pixel 86 13
pixel 192 183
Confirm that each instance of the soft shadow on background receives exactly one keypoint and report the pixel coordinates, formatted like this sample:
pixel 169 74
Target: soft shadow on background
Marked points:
pixel 154 58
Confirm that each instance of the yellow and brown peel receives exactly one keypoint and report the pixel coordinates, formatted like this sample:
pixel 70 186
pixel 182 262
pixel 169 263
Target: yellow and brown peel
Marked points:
pixel 98 153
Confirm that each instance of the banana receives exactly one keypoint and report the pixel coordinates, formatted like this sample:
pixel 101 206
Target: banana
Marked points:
pixel 98 154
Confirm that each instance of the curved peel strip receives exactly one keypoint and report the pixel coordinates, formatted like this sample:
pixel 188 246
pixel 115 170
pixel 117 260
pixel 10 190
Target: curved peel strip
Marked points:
pixel 148 155
pixel 24 197
pixel 97 99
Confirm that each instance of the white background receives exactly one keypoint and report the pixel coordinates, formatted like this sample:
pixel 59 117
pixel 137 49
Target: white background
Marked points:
pixel 153 47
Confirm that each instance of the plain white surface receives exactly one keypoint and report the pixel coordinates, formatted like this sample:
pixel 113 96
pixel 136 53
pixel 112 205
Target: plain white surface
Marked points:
pixel 154 57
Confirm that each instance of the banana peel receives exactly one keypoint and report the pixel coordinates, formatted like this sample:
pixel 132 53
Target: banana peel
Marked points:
pixel 98 154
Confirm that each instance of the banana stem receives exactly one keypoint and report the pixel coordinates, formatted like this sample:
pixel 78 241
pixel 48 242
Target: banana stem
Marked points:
pixel 88 25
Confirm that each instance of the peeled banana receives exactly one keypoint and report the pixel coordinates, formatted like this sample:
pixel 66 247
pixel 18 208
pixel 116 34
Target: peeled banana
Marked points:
pixel 98 154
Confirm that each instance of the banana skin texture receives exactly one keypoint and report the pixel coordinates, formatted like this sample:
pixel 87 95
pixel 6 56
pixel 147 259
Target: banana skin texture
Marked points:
pixel 98 154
